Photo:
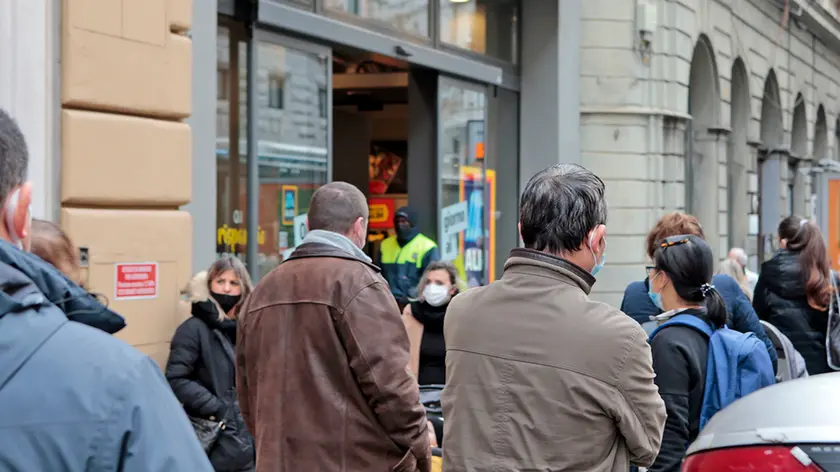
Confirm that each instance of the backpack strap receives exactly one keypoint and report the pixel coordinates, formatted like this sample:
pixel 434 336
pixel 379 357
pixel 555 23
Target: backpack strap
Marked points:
pixel 690 321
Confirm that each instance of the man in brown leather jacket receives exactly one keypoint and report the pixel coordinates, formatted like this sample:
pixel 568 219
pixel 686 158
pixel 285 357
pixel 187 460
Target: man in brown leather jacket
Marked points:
pixel 322 355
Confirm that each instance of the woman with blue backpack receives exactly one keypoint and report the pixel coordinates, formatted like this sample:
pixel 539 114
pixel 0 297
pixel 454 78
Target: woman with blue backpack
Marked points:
pixel 699 369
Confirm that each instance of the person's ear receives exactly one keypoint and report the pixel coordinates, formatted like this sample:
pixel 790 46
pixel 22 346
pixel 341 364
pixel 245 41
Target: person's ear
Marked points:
pixel 598 237
pixel 783 243
pixel 21 223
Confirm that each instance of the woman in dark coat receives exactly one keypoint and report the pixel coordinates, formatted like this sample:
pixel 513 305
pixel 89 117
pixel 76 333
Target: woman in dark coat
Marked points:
pixel 794 292
pixel 201 363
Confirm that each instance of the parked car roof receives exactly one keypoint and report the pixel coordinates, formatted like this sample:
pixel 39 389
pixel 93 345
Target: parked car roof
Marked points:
pixel 793 412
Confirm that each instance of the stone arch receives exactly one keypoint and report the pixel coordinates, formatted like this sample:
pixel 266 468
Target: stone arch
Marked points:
pixel 796 191
pixel 703 146
pixel 772 127
pixel 738 156
pixel 837 139
pixel 799 128
pixel 770 166
pixel 820 135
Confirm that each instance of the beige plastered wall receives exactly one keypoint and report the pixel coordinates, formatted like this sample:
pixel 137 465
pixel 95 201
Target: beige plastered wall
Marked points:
pixel 126 152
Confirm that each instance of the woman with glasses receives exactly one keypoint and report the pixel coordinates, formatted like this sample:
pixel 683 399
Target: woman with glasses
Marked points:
pixel 639 306
pixel 681 284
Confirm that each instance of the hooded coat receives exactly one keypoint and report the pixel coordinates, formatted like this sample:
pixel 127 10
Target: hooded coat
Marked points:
pixel 73 398
pixel 79 305
pixel 201 372
pixel 780 300
pixel 404 257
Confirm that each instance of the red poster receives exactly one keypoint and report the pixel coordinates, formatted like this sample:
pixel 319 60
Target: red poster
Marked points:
pixel 381 213
pixel 136 280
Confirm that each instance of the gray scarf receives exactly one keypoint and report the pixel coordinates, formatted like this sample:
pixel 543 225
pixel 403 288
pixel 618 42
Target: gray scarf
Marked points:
pixel 337 241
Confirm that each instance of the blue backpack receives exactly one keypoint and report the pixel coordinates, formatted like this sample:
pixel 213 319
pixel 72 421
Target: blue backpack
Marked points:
pixel 738 364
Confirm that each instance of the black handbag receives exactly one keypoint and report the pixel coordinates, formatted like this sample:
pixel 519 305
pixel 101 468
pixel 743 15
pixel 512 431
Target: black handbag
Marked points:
pixel 207 431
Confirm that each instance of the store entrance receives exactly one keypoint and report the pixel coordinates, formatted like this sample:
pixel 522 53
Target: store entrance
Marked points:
pixel 403 134
pixel 412 137
pixel 371 133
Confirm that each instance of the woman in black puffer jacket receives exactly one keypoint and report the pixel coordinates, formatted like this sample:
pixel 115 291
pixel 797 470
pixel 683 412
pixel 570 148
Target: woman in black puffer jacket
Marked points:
pixel 794 291
pixel 201 362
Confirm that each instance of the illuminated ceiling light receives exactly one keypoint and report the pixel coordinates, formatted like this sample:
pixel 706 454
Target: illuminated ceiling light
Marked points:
pixel 460 1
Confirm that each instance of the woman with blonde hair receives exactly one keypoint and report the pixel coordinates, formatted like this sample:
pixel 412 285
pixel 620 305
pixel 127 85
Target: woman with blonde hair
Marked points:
pixel 201 366
pixel 733 269
pixel 423 320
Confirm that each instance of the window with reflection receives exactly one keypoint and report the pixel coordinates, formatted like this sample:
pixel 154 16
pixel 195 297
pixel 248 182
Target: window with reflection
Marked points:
pixel 486 27
pixel 292 104
pixel 411 16
pixel 231 128
pixel 463 178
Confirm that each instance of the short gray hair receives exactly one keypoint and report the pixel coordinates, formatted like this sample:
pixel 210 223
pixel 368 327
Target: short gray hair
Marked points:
pixel 336 206
pixel 560 206
pixel 14 156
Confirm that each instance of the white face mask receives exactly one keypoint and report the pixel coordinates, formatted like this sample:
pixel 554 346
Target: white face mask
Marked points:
pixel 436 295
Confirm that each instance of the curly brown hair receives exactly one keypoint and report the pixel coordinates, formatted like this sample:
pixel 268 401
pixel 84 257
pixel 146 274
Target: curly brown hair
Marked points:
pixel 672 224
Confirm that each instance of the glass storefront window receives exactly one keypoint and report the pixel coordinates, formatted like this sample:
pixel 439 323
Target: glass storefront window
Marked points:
pixel 465 183
pixel 411 16
pixel 293 126
pixel 231 127
pixel 484 26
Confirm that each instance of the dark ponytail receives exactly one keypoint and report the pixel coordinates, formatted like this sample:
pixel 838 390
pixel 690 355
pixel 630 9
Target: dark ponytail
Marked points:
pixel 716 308
pixel 689 263
pixel 804 237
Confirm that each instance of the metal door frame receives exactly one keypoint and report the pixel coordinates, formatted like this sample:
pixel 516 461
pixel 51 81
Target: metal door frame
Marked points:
pixel 259 35
pixel 446 80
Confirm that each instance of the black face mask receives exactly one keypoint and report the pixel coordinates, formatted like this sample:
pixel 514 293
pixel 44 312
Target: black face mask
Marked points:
pixel 227 302
pixel 405 234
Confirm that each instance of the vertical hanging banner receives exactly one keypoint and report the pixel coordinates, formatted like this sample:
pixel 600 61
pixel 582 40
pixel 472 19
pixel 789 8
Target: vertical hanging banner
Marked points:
pixel 473 239
pixel 136 280
pixel 491 236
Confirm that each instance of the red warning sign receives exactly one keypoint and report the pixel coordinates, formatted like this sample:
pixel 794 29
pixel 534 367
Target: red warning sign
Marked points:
pixel 136 280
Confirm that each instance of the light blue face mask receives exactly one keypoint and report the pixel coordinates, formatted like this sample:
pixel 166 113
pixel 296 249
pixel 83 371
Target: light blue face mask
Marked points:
pixel 656 298
pixel 598 264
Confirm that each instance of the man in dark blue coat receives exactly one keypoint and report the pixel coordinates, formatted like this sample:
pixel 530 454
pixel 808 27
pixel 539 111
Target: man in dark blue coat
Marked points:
pixel 742 317
pixel 72 397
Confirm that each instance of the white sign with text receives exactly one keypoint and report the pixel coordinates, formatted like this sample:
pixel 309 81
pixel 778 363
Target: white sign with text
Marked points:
pixel 300 229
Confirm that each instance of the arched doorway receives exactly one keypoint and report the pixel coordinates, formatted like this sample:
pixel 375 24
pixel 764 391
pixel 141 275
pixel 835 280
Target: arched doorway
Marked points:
pixel 770 166
pixel 837 139
pixel 820 136
pixel 701 167
pixel 738 158
pixel 797 193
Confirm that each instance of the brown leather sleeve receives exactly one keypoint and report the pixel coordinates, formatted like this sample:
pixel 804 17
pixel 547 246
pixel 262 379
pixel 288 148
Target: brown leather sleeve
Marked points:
pixel 374 336
pixel 241 371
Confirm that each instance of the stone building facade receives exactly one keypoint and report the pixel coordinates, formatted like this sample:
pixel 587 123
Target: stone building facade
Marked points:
pixel 719 108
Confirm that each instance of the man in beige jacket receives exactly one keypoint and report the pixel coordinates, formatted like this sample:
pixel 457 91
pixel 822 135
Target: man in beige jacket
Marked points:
pixel 538 376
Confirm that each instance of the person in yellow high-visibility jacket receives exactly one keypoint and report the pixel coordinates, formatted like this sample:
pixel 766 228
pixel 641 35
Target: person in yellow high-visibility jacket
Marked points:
pixel 404 257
